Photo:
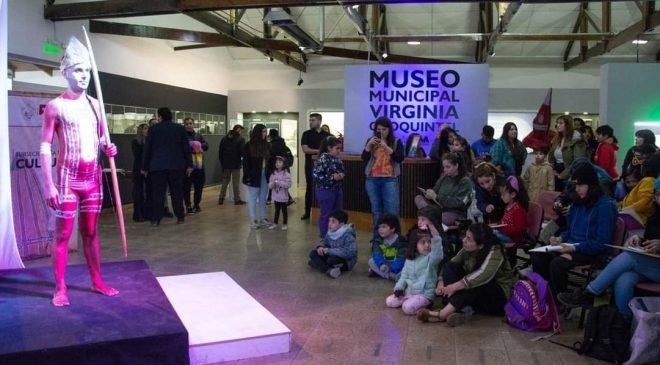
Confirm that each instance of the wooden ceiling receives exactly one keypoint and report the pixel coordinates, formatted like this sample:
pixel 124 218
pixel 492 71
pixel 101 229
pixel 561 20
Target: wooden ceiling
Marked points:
pixel 452 32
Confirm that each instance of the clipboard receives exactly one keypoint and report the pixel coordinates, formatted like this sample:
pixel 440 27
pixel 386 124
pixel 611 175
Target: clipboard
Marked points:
pixel 633 250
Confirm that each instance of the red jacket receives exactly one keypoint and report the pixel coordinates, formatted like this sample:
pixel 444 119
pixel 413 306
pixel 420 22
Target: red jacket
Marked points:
pixel 606 157
pixel 515 218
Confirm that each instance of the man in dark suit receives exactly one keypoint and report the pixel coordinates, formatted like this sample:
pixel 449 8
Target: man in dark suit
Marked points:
pixel 167 159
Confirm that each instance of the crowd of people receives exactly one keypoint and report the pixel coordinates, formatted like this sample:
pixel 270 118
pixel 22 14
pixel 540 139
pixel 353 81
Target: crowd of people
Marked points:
pixel 484 193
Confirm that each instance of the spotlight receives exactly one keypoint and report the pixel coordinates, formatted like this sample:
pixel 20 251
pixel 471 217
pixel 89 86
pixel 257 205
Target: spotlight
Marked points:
pixel 300 81
pixel 385 55
pixel 566 113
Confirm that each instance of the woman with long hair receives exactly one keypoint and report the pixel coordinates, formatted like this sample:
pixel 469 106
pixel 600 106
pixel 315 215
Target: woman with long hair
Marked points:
pixel 589 138
pixel 566 146
pixel 452 191
pixel 591 221
pixel 487 181
pixel 478 276
pixel 508 152
pixel 256 154
pixel 383 154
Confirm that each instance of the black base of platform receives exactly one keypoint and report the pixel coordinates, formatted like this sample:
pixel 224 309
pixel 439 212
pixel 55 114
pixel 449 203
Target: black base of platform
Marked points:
pixel 137 327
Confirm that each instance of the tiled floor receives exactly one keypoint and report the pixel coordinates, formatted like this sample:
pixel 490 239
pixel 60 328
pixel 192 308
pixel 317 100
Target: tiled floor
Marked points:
pixel 341 321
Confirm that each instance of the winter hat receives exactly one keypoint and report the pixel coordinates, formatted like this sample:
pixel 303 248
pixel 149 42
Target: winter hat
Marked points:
pixel 585 174
pixel 75 53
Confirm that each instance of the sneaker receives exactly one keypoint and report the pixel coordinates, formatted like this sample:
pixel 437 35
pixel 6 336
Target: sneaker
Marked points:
pixel 455 319
pixel 239 202
pixel 304 217
pixel 334 272
pixel 267 223
pixel 255 225
pixel 197 209
pixel 285 227
pixel 190 210
pixel 272 226
pixel 580 298
pixel 221 201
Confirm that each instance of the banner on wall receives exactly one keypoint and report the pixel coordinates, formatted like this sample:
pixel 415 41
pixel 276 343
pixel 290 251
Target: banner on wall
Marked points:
pixel 34 221
pixel 418 99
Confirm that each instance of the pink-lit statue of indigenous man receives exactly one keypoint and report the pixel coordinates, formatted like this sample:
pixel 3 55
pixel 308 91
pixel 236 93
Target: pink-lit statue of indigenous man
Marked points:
pixel 75 119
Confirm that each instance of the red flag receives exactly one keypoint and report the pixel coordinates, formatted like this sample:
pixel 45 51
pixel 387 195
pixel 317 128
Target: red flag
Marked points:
pixel 541 134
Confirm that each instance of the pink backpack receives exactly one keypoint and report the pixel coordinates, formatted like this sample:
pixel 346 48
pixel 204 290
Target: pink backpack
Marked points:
pixel 532 307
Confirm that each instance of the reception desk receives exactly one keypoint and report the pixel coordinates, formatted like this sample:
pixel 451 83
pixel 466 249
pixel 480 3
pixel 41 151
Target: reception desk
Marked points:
pixel 414 173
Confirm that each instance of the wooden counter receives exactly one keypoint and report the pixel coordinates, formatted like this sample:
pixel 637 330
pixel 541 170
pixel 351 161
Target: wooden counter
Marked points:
pixel 414 172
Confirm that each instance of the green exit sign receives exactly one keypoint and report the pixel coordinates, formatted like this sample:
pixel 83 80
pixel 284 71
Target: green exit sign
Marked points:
pixel 52 48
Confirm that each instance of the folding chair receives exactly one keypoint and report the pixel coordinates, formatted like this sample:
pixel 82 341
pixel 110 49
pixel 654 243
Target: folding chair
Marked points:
pixel 587 271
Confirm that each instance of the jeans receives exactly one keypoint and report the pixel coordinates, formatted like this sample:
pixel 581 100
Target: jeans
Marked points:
pixel 234 176
pixel 329 200
pixel 383 196
pixel 260 193
pixel 625 271
pixel 196 179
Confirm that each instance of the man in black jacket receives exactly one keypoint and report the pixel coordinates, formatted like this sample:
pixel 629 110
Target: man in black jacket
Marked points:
pixel 167 159
pixel 231 147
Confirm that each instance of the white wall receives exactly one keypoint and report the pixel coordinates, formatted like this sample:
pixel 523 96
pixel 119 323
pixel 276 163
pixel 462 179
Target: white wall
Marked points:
pixel 630 92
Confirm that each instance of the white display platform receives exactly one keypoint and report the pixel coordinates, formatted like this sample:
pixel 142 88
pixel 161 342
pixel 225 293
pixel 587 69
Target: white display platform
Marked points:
pixel 224 322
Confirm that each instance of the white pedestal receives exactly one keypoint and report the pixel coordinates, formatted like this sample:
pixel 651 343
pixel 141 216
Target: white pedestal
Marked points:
pixel 224 322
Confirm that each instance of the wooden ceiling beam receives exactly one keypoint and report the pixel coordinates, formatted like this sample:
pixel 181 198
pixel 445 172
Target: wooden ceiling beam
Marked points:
pixel 584 27
pixel 130 8
pixel 171 34
pixel 627 35
pixel 506 37
pixel 393 58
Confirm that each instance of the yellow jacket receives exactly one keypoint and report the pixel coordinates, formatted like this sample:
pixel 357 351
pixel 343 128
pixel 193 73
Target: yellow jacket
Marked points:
pixel 640 198
pixel 538 178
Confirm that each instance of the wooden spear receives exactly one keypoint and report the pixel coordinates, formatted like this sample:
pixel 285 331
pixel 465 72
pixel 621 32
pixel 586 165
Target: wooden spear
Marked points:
pixel 111 160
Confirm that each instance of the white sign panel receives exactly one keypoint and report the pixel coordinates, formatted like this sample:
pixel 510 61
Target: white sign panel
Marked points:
pixel 416 98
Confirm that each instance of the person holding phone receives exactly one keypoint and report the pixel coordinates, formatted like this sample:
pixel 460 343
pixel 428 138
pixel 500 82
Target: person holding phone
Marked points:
pixel 383 154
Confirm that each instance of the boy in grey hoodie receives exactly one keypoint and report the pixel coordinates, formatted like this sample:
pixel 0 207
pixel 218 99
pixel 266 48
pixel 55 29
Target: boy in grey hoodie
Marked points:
pixel 337 251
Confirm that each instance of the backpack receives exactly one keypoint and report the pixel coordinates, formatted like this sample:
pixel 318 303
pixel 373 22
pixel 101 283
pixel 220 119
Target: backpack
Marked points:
pixel 606 335
pixel 532 306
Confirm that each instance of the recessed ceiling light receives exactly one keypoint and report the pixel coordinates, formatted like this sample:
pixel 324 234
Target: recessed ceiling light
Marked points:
pixel 285 112
pixel 585 113
pixel 270 111
pixel 566 113
pixel 414 43
pixel 640 41
pixel 254 111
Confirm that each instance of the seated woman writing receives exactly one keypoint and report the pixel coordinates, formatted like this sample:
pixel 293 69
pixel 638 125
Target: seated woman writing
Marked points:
pixel 453 191
pixel 478 276
pixel 638 205
pixel 591 222
pixel 627 269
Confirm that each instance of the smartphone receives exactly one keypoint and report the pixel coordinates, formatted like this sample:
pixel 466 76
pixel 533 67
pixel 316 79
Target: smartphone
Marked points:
pixel 377 134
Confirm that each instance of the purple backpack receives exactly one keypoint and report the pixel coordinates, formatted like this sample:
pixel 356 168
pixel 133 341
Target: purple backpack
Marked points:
pixel 532 307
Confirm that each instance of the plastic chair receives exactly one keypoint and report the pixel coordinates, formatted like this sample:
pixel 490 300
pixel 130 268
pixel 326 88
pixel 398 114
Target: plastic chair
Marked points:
pixel 546 199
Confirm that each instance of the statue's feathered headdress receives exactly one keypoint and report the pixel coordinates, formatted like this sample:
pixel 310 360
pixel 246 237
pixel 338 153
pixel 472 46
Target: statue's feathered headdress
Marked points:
pixel 74 54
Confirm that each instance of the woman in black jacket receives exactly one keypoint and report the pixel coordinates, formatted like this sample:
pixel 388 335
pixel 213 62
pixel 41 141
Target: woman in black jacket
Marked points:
pixel 256 154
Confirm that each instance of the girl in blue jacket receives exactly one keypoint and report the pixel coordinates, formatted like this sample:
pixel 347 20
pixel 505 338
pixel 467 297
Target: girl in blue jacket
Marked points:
pixel 591 223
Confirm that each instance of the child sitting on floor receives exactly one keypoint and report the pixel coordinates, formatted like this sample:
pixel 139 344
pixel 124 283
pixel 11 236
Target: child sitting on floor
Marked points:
pixel 337 251
pixel 388 251
pixel 414 289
